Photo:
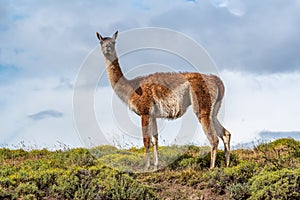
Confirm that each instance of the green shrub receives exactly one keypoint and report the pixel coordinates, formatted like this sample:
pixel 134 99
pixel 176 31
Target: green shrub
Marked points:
pixel 70 174
pixel 139 150
pixel 204 162
pixel 121 186
pixel 271 171
pixel 231 179
pixel 27 188
pixel 123 162
pixel 65 185
pixel 184 161
pixel 239 191
pixel 6 153
pixel 103 150
pixel 199 158
pixel 74 157
pixel 281 153
pixel 39 153
pixel 169 154
pixel 242 172
pixel 29 197
pixel 217 179
pixel 280 184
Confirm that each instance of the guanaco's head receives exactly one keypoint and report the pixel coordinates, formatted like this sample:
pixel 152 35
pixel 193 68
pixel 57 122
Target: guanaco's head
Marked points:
pixel 108 45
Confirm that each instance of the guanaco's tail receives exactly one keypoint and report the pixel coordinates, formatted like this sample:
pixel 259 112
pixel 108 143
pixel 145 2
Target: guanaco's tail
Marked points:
pixel 220 87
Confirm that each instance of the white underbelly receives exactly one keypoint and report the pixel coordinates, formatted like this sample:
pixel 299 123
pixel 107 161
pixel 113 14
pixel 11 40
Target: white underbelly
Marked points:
pixel 173 105
pixel 166 109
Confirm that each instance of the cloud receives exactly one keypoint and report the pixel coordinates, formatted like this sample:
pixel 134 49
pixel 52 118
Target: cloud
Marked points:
pixel 254 103
pixel 263 40
pixel 57 43
pixel 64 83
pixel 24 109
pixel 245 38
pixel 235 7
pixel 46 114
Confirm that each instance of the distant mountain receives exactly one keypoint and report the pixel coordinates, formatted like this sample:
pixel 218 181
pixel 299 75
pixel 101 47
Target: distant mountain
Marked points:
pixel 267 136
pixel 271 135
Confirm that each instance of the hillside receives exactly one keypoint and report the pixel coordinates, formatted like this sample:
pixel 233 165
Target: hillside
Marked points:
pixel 269 171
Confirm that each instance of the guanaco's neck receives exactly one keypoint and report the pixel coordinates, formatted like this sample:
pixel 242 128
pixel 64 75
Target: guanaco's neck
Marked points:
pixel 118 81
pixel 114 72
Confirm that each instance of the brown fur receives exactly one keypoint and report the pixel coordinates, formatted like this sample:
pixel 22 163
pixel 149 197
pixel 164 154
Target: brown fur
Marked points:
pixel 168 95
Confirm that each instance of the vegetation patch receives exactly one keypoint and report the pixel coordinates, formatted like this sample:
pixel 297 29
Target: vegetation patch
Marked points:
pixel 269 171
pixel 279 184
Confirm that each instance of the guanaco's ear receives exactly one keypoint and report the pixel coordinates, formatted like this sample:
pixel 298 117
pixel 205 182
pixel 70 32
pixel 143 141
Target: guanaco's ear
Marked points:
pixel 115 35
pixel 99 37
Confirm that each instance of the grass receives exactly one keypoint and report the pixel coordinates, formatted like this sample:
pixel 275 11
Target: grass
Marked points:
pixel 269 171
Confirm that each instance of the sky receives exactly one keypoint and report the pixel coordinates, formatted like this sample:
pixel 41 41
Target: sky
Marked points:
pixel 254 44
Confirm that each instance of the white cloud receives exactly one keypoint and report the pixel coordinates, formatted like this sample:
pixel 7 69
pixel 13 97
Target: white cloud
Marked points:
pixel 54 37
pixel 28 96
pixel 261 102
pixel 263 40
pixel 44 114
pixel 235 7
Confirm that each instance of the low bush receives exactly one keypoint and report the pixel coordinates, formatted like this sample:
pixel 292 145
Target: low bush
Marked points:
pixel 239 191
pixel 281 153
pixel 72 174
pixel 280 184
pixel 100 151
pixel 270 171
pixel 232 180
pixel 204 162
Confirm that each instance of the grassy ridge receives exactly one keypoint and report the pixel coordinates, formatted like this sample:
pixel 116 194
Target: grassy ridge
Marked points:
pixel 269 171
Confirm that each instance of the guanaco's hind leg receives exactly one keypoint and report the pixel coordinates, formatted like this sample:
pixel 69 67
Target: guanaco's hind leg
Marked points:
pixel 226 139
pixel 222 132
pixel 213 129
pixel 225 136
pixel 209 131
